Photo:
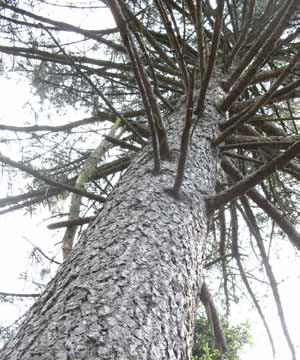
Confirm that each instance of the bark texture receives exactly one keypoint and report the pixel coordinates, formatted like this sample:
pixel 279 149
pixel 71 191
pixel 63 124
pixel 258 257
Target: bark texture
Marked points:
pixel 129 289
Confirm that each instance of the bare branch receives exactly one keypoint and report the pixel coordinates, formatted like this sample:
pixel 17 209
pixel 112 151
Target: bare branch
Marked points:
pixel 212 314
pixel 64 26
pixel 38 175
pixel 258 51
pixel 101 95
pixel 78 222
pixel 250 218
pixel 144 85
pixel 174 41
pixel 18 295
pixel 100 117
pixel 212 57
pixel 222 252
pixel 287 227
pixel 236 254
pixel 185 137
pixel 245 115
pixel 243 36
pixel 255 178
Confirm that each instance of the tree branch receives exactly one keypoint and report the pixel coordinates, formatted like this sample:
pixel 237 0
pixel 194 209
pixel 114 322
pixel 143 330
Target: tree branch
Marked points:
pixel 236 255
pixel 38 175
pixel 212 314
pixel 250 219
pixel 18 295
pixel 265 205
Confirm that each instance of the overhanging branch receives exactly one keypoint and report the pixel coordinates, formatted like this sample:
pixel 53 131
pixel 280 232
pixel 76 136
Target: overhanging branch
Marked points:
pixel 255 178
pixel 265 205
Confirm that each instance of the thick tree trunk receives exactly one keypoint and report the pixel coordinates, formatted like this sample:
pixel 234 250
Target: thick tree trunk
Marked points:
pixel 129 290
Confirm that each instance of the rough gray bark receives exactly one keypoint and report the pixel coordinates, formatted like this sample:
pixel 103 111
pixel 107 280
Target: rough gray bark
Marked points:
pixel 130 288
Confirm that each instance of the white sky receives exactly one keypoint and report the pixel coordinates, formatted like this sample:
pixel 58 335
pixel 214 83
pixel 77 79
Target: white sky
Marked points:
pixel 16 228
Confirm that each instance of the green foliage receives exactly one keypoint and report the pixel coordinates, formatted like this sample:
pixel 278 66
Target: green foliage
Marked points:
pixel 236 337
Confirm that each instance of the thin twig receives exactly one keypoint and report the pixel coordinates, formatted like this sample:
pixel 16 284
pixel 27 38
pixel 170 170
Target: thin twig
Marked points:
pixel 101 116
pixel 2 293
pixel 94 87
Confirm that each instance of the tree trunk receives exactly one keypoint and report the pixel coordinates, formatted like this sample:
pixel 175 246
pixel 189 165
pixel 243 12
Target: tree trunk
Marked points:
pixel 129 290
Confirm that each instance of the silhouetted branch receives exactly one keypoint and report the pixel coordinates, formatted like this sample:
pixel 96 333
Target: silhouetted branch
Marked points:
pixel 37 196
pixel 258 51
pixel 213 317
pixel 101 95
pixel 222 252
pixel 174 41
pixel 100 117
pixel 64 26
pixel 19 295
pixel 60 185
pixel 121 143
pixel 212 57
pixel 201 41
pixel 36 248
pixel 79 221
pixel 185 137
pixel 250 219
pixel 265 205
pixel 245 115
pixel 255 178
pixel 243 35
pixel 142 80
pixel 236 254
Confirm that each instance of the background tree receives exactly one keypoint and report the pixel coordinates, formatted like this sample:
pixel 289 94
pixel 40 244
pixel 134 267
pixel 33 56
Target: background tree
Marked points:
pixel 203 99
pixel 204 343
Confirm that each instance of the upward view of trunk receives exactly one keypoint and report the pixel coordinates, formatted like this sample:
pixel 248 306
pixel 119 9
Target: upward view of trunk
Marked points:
pixel 129 290
pixel 191 86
